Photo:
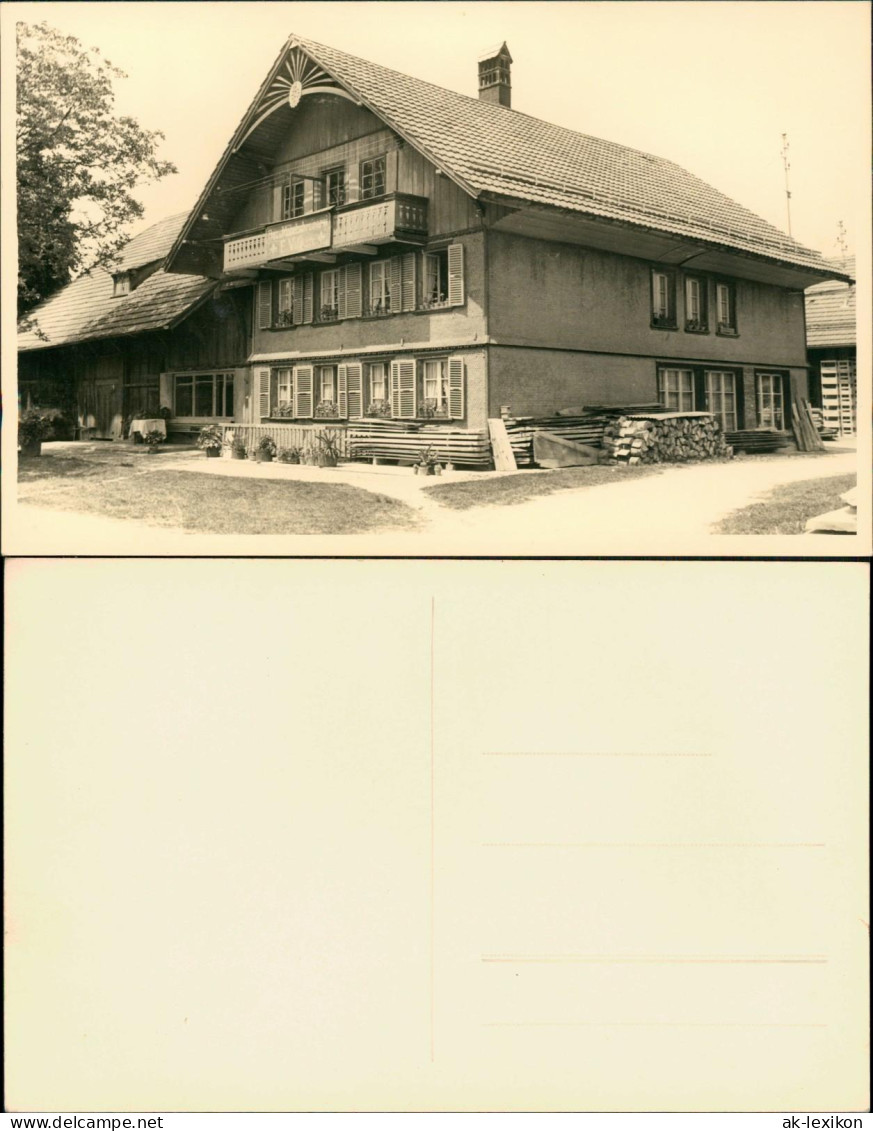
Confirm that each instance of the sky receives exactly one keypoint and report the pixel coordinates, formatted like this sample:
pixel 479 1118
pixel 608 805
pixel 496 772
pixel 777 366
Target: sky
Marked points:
pixel 710 85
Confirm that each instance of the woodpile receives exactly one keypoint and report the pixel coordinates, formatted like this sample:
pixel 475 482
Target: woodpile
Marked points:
pixel 665 437
pixel 757 441
pixel 805 433
pixel 406 442
pixel 583 426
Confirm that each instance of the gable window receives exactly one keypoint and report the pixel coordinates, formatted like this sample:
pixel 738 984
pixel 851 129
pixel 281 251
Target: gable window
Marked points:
pixel 663 300
pixel 202 395
pixel 121 284
pixel 380 287
pixel 335 187
pixel 695 304
pixel 372 178
pixel 721 397
pixel 329 296
pixel 771 404
pixel 676 389
pixel 292 200
pixel 725 308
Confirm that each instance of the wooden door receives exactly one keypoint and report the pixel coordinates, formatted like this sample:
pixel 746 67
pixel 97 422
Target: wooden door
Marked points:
pixel 107 410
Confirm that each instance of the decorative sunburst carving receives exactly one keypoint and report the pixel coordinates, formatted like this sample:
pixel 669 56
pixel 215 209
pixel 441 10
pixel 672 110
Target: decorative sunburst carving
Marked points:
pixel 298 75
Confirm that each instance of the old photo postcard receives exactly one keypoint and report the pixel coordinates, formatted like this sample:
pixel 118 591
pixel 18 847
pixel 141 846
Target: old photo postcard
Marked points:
pixel 343 836
pixel 418 279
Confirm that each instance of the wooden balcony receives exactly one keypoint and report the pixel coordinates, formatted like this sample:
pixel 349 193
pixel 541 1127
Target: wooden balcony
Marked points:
pixel 396 218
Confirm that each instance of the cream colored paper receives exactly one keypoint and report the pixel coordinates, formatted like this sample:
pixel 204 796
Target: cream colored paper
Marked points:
pixel 449 836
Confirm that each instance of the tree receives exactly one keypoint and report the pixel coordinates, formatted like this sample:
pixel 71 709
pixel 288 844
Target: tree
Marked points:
pixel 78 162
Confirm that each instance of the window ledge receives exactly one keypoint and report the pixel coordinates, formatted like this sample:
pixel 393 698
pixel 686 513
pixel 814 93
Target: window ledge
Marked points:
pixel 725 333
pixel 663 325
pixel 696 329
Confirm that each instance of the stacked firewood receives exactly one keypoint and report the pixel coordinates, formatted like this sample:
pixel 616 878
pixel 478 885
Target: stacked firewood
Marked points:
pixel 665 438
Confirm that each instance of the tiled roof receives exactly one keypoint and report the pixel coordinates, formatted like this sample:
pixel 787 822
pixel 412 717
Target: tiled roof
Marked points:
pixel 830 312
pixel 86 309
pixel 488 148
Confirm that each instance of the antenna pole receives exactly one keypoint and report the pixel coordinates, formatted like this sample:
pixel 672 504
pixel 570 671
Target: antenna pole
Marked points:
pixel 787 190
pixel 841 240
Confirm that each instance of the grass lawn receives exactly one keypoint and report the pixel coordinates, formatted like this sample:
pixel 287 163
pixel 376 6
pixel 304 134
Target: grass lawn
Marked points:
pixel 511 489
pixel 786 509
pixel 207 504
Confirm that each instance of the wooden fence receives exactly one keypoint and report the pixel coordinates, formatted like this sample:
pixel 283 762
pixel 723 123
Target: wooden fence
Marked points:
pixel 288 435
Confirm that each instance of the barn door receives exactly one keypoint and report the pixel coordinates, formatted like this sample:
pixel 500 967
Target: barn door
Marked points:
pixel 107 410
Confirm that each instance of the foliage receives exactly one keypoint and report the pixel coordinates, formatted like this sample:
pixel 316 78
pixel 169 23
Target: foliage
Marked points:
pixel 288 455
pixel 36 424
pixel 267 446
pixel 160 413
pixel 153 437
pixel 786 508
pixel 379 408
pixel 79 162
pixel 238 447
pixel 210 438
pixel 326 410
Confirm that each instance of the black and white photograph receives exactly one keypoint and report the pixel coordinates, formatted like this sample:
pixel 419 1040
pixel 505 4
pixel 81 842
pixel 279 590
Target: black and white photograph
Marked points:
pixel 536 279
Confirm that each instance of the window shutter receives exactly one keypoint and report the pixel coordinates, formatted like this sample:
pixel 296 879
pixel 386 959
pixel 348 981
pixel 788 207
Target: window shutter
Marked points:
pixel 308 296
pixel 354 307
pixel 342 389
pixel 355 386
pixel 456 274
pixel 407 270
pixel 456 388
pixel 303 390
pixel 277 201
pixel 263 378
pixel 265 305
pixel 396 283
pixel 403 389
pixel 341 293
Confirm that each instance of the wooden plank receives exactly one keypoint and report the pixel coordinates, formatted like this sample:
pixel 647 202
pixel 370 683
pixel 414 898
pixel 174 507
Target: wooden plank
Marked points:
pixel 552 450
pixel 504 458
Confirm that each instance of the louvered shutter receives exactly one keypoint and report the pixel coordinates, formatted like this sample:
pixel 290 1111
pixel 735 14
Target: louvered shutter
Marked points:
pixel 277 201
pixel 263 380
pixel 265 305
pixel 456 388
pixel 308 295
pixel 407 272
pixel 403 389
pixel 303 390
pixel 396 283
pixel 456 274
pixel 355 386
pixel 341 293
pixel 297 300
pixel 354 307
pixel 342 389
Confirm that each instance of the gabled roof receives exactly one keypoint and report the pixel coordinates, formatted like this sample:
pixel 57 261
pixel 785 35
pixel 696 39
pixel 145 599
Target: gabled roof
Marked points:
pixel 490 150
pixel 86 309
pixel 830 312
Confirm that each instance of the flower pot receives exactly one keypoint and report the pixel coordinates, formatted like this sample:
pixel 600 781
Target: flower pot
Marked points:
pixel 238 455
pixel 213 453
pixel 264 457
pixel 31 448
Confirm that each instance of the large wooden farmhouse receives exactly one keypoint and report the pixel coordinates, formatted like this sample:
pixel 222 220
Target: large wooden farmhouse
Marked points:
pixel 374 246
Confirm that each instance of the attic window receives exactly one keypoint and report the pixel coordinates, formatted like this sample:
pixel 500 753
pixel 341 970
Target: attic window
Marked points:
pixel 121 284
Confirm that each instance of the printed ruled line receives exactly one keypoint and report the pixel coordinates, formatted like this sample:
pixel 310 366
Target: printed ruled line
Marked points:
pixel 590 754
pixel 664 1024
pixel 650 844
pixel 432 839
pixel 773 959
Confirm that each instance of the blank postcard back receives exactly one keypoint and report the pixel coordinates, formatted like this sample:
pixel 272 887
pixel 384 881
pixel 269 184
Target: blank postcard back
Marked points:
pixel 436 836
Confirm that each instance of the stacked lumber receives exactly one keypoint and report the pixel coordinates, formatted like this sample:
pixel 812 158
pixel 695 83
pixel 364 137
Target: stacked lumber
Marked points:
pixel 581 425
pixel 406 442
pixel 665 437
pixel 826 431
pixel 757 440
pixel 805 433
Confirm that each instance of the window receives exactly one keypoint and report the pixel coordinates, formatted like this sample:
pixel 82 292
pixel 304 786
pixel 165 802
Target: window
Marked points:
pixel 284 314
pixel 436 278
pixel 292 200
pixel 771 410
pixel 721 397
pixel 203 395
pixel 380 287
pixel 725 308
pixel 326 391
pixel 284 389
pixel 663 300
pixel 329 296
pixel 695 304
pixel 434 387
pixel 378 381
pixel 335 187
pixel 676 389
pixel 121 284
pixel 372 178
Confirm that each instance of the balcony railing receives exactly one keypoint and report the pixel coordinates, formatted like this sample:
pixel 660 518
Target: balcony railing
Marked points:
pixel 397 217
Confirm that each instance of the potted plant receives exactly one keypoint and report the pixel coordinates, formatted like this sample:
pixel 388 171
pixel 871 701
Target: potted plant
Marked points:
pixel 238 449
pixel 34 426
pixel 288 455
pixel 266 449
pixel 327 451
pixel 326 410
pixel 379 408
pixel 210 440
pixel 427 464
pixel 153 438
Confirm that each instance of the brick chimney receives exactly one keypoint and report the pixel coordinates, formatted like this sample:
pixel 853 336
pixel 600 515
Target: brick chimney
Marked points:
pixel 495 84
